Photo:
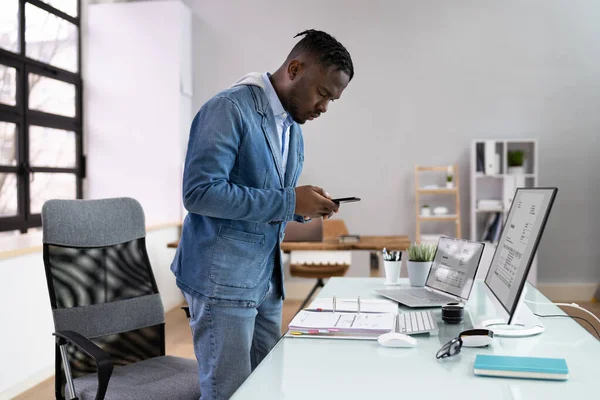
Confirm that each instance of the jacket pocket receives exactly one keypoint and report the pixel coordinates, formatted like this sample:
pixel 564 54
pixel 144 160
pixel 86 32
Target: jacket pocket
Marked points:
pixel 237 258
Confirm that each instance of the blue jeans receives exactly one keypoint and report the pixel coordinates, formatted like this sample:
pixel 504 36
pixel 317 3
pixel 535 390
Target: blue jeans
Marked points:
pixel 230 342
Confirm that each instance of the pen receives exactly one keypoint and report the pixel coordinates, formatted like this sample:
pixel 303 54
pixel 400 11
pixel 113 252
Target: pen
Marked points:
pixel 393 255
pixel 333 310
pixel 358 304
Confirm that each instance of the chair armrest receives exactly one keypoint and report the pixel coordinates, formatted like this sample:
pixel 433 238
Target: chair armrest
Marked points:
pixel 187 311
pixel 101 358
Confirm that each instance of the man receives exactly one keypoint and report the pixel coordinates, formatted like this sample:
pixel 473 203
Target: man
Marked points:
pixel 244 157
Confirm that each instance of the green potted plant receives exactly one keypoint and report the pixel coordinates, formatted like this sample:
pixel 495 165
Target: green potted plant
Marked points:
pixel 516 160
pixel 420 257
pixel 449 181
pixel 426 210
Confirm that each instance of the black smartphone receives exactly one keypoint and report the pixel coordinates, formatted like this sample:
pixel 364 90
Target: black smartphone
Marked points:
pixel 345 200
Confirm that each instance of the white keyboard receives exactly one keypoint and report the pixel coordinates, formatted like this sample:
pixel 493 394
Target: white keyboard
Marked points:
pixel 416 322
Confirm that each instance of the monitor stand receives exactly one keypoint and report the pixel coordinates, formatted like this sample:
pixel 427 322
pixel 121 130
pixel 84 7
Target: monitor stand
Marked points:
pixel 524 324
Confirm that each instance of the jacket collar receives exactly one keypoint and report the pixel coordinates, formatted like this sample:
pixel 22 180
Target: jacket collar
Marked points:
pixel 255 83
pixel 269 127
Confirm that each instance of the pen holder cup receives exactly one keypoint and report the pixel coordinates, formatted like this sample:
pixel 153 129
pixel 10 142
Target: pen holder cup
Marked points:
pixel 392 272
pixel 418 272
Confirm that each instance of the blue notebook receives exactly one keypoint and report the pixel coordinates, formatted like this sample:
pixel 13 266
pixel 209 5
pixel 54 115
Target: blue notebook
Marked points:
pixel 521 367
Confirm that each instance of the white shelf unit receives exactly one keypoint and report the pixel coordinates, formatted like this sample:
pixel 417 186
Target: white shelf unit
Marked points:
pixel 430 193
pixel 499 184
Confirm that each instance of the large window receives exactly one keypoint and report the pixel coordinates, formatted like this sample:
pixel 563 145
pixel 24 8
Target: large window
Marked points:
pixel 40 108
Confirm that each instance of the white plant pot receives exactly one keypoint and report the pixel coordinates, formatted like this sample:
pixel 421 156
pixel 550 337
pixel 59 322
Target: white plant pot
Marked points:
pixel 418 272
pixel 426 212
pixel 516 170
pixel 449 185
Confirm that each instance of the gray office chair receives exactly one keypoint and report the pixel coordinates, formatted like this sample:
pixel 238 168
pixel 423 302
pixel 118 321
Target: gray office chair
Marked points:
pixel 106 306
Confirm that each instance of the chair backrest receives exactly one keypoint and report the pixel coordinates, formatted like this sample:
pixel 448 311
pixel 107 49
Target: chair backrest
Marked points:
pixel 100 280
pixel 308 232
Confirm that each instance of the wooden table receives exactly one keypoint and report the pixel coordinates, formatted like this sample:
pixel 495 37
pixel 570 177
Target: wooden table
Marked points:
pixel 332 230
pixel 372 243
pixel 365 243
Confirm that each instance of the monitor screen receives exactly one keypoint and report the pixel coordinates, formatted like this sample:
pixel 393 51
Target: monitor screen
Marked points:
pixel 454 266
pixel 517 245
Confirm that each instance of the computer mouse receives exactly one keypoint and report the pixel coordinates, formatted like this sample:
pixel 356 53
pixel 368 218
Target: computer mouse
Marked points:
pixel 477 337
pixel 395 339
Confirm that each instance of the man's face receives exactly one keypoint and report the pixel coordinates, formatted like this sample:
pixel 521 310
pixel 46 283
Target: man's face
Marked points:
pixel 312 88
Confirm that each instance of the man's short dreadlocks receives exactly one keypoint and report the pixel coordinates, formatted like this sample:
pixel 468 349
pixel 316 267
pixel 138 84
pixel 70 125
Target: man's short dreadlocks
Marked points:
pixel 327 51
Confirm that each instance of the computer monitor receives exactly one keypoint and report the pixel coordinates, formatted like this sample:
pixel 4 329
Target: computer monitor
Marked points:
pixel 506 278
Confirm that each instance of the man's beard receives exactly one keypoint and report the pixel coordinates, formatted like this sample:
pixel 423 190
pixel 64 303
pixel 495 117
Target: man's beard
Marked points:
pixel 293 108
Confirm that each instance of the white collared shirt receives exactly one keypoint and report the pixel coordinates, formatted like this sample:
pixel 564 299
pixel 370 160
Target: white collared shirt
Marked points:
pixel 283 120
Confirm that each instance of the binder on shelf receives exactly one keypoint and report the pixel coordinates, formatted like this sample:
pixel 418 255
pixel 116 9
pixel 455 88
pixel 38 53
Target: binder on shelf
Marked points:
pixel 497 229
pixel 488 225
pixel 497 163
pixel 480 158
pixel 511 183
pixel 490 157
pixel 493 228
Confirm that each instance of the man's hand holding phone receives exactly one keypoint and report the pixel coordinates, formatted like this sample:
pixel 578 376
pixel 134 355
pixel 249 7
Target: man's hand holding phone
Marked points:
pixel 314 202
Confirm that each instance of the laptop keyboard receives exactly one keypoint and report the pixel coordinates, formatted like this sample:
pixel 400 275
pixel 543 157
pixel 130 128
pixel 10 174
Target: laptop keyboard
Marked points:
pixel 416 322
pixel 425 295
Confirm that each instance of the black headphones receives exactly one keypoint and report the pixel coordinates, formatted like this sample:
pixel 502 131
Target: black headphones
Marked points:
pixel 453 313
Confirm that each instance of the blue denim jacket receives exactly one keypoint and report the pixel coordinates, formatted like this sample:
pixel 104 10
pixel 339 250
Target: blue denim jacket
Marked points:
pixel 237 197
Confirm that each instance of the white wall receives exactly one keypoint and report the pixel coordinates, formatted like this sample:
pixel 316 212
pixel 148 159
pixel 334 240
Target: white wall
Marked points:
pixel 138 91
pixel 26 341
pixel 430 77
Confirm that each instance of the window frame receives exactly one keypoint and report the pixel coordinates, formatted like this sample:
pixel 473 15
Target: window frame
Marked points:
pixel 23 117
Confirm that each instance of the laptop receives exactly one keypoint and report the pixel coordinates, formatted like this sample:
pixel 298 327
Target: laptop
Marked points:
pixel 308 232
pixel 450 278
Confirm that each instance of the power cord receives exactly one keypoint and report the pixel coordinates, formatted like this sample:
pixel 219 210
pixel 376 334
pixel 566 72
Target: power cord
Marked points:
pixel 574 305
pixel 570 316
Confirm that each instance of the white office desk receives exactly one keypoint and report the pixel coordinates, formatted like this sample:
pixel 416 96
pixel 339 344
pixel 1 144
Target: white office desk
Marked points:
pixel 302 368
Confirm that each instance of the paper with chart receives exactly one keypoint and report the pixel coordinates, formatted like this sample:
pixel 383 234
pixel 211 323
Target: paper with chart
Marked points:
pixel 507 266
pixel 324 322
pixel 455 266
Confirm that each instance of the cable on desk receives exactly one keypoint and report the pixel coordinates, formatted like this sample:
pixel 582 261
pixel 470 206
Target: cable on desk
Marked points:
pixel 574 305
pixel 570 316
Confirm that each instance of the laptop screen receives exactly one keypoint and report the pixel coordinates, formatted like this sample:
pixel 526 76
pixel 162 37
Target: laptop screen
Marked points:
pixel 455 265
